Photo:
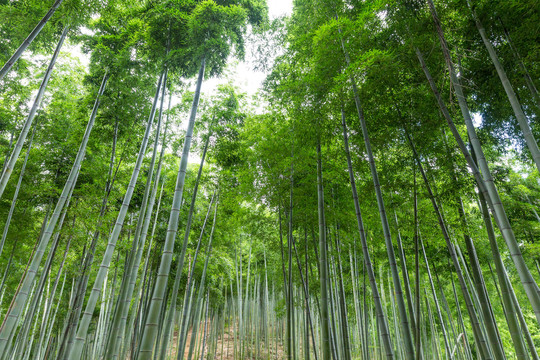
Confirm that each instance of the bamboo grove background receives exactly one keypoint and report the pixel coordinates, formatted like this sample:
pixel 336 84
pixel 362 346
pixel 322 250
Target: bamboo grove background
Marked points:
pixel 378 198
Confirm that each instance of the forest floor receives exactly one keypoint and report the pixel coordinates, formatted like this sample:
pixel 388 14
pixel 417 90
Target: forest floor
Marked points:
pixel 225 348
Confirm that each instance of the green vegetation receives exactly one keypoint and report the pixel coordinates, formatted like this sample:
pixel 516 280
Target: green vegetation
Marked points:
pixel 378 198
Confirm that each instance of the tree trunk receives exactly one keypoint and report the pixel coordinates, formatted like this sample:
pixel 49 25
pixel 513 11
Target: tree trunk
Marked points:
pixel 22 337
pixel 488 189
pixel 181 257
pixel 10 321
pixel 438 308
pixel 510 93
pixel 500 269
pixel 526 75
pixel 44 329
pixel 183 330
pixel 381 316
pixel 405 277
pixel 150 327
pixel 418 342
pixel 485 303
pixel 169 317
pixel 16 194
pixel 290 298
pixel 407 339
pixel 76 351
pixel 28 123
pixel 7 66
pixel 323 261
pixel 308 310
pixel 466 296
pixel 124 298
pixel 342 302
pixel 68 334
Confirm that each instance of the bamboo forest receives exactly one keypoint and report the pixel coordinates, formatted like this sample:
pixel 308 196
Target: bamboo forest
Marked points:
pixel 259 180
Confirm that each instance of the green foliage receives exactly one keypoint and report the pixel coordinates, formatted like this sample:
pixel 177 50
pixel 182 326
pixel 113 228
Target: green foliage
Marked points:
pixel 257 146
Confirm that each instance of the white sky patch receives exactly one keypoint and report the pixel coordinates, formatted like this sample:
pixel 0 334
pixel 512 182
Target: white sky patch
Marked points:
pixel 477 119
pixel 277 8
pixel 76 51
pixel 241 73
pixel 247 79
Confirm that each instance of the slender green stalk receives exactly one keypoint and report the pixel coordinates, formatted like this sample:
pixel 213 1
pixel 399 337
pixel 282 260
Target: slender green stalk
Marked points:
pixel 407 339
pixel 468 301
pixel 487 183
pixel 342 301
pixel 8 169
pixel 306 298
pixel 44 330
pixel 437 306
pixel 418 343
pixel 183 331
pixel 16 194
pixel 323 261
pixel 22 337
pixel 9 64
pixel 480 286
pixel 150 326
pixel 76 303
pixel 528 80
pixel 127 287
pixel 78 346
pixel 10 321
pixel 523 323
pixel 406 279
pixel 6 271
pixel 181 257
pixel 291 348
pixel 510 93
pixel 381 316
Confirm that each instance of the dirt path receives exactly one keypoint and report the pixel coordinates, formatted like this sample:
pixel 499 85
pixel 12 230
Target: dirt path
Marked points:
pixel 225 348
